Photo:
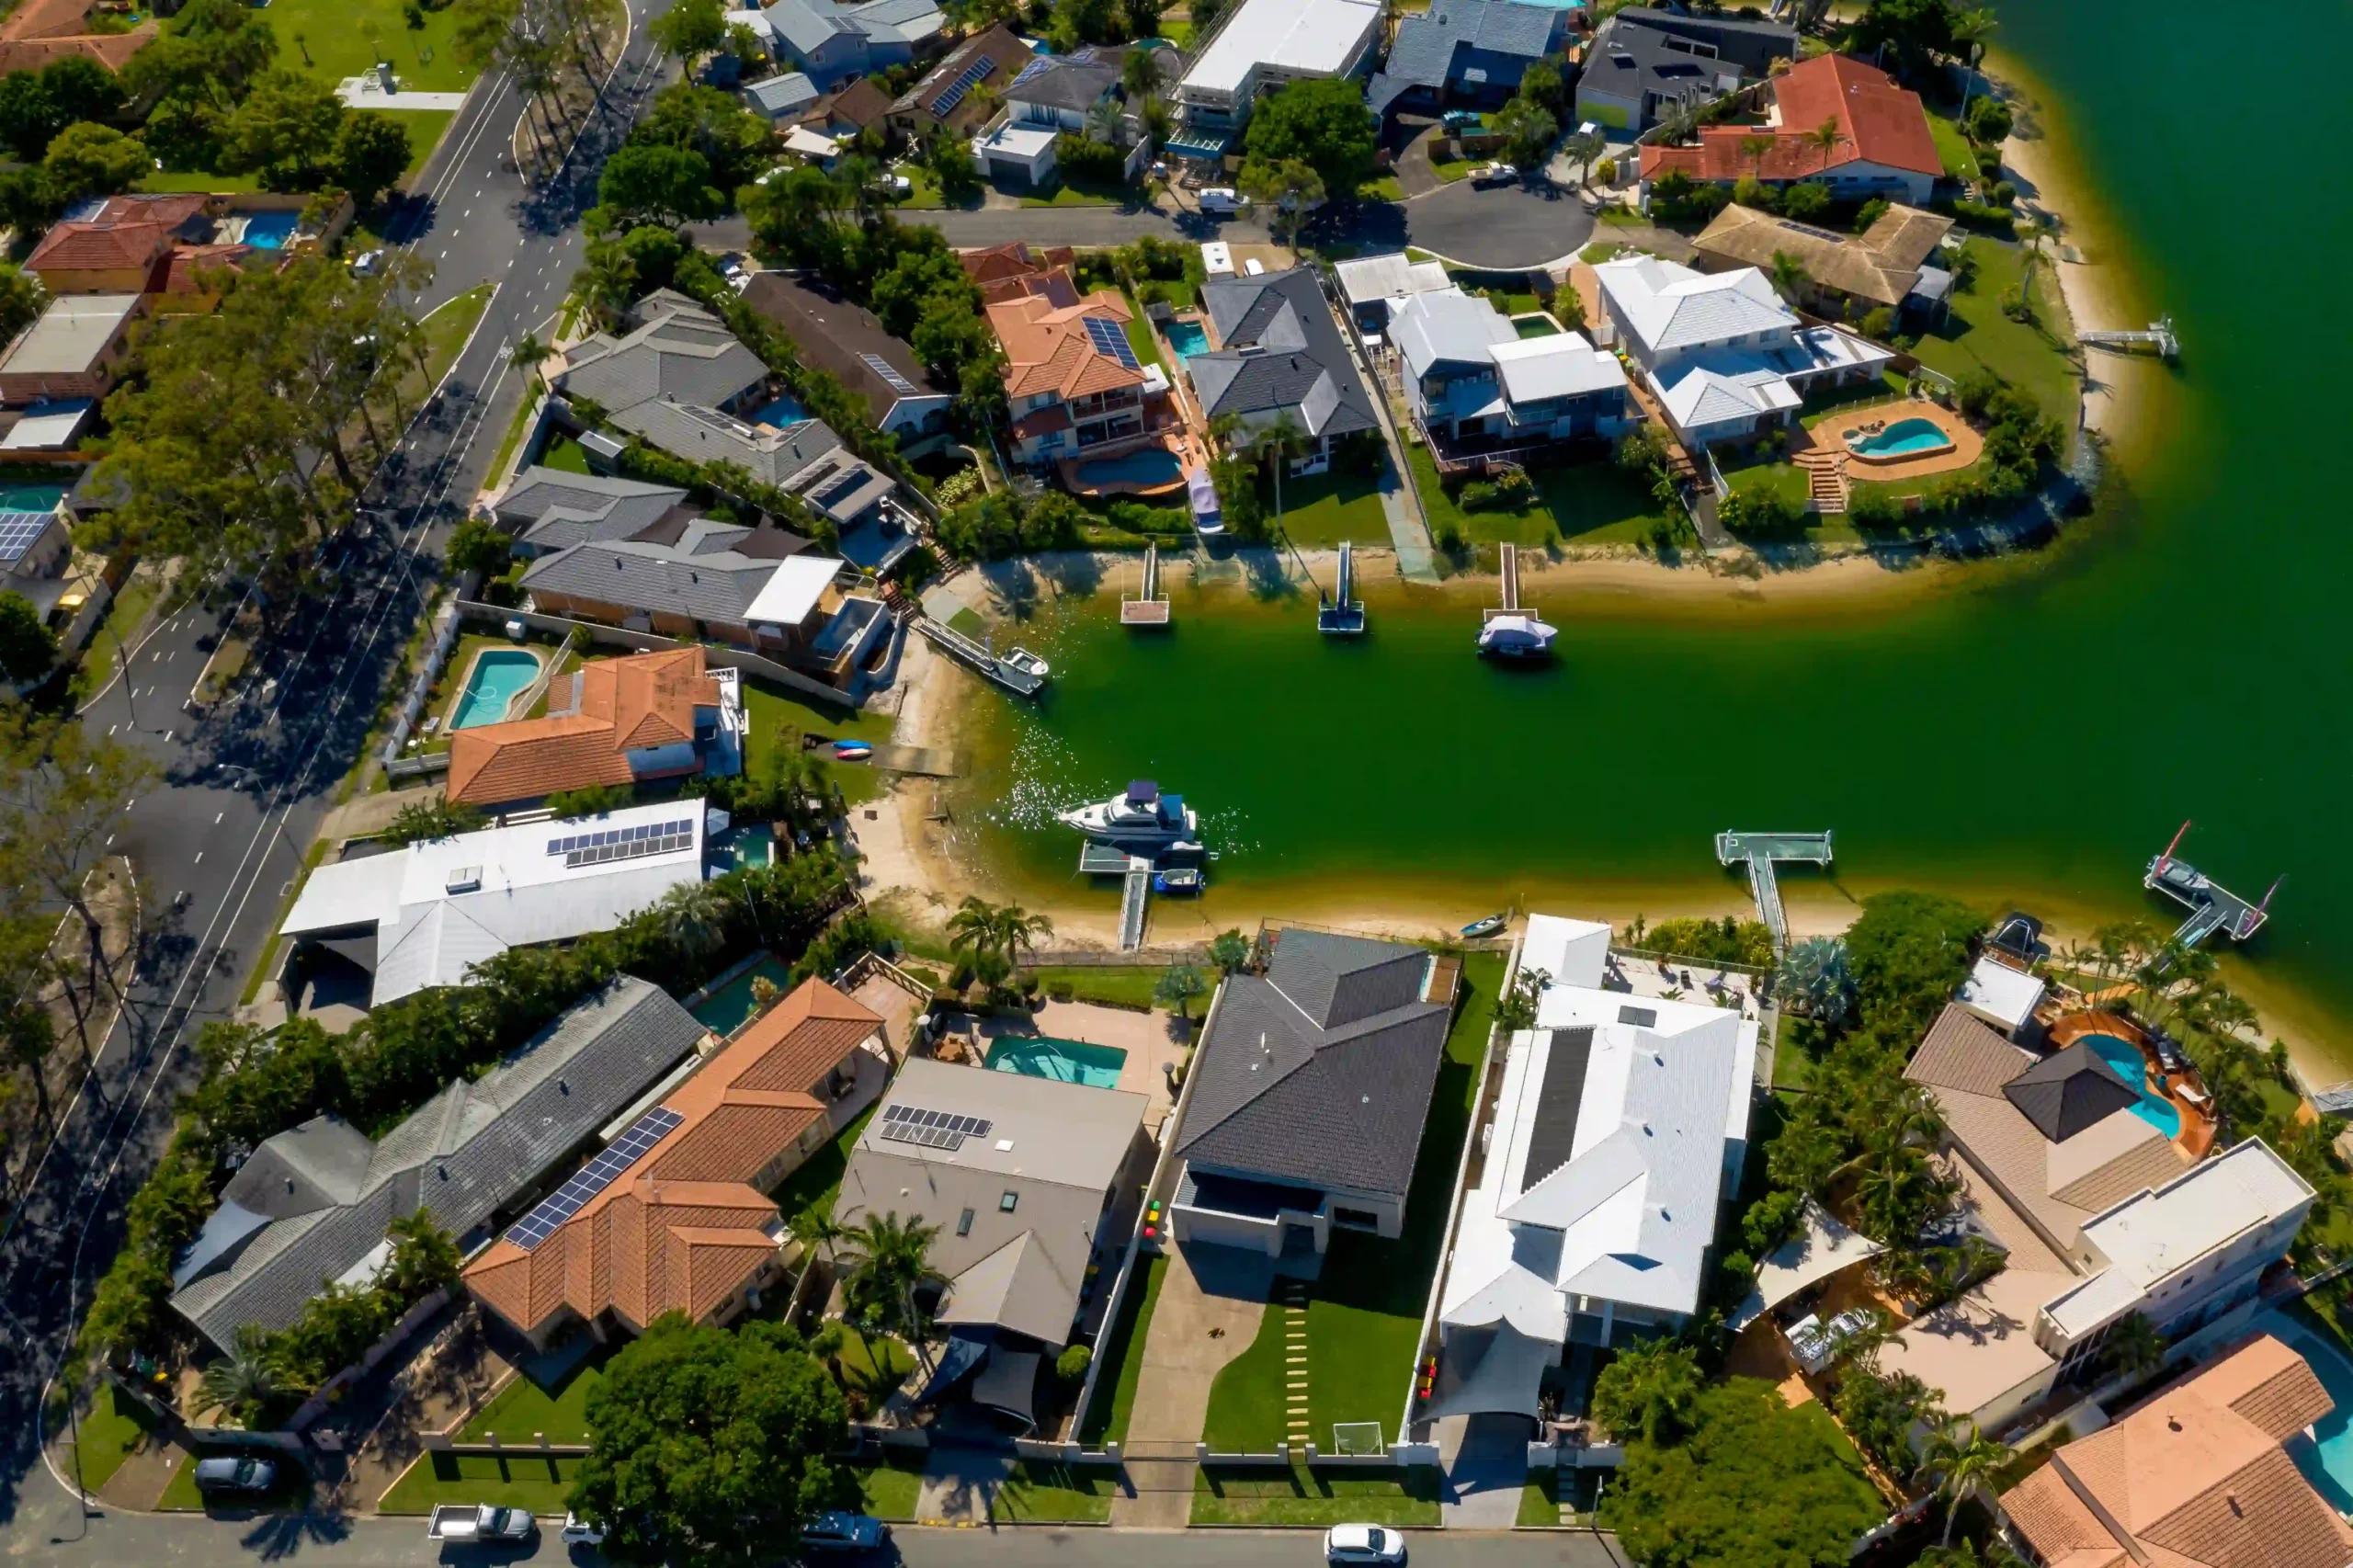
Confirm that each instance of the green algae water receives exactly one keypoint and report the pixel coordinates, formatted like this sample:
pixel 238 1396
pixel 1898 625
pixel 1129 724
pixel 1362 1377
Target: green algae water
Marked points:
pixel 2032 736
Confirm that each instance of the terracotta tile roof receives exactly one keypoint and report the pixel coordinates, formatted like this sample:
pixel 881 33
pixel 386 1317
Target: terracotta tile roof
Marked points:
pixel 682 1228
pixel 1013 271
pixel 645 700
pixel 41 32
pixel 1879 122
pixel 177 273
pixel 134 238
pixel 45 18
pixel 2191 1479
pixel 1046 348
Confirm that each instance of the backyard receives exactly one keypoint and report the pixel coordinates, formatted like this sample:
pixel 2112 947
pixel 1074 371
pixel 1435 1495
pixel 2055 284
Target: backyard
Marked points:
pixel 1364 1314
pixel 779 717
pixel 1583 503
pixel 819 1180
pixel 1976 335
pixel 1322 510
pixel 1121 985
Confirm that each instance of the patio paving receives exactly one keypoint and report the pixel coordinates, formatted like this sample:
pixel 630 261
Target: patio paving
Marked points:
pixel 1154 1042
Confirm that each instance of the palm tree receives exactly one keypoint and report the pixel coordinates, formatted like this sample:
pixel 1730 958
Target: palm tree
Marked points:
pixel 242 1382
pixel 973 929
pixel 2134 1346
pixel 696 913
pixel 1971 32
pixel 1017 928
pixel 1815 974
pixel 607 283
pixel 1180 983
pixel 1754 149
pixel 1277 441
pixel 1648 1388
pixel 890 1266
pixel 1825 137
pixel 528 353
pixel 1788 274
pixel 1140 76
pixel 1960 1462
pixel 1103 122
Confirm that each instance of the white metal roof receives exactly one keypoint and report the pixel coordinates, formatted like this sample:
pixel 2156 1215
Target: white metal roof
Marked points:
pixel 441 907
pixel 1217 258
pixel 1301 36
pixel 1448 326
pixel 1571 952
pixel 2002 996
pixel 1559 366
pixel 1666 306
pixel 791 594
pixel 1389 277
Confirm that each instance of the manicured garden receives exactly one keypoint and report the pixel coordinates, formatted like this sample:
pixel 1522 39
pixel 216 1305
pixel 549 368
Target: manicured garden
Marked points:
pixel 1055 1493
pixel 1583 504
pixel 1977 336
pixel 1297 1496
pixel 1323 509
pixel 108 1432
pixel 1121 985
pixel 523 1409
pixel 779 717
pixel 509 1481
pixel 889 1490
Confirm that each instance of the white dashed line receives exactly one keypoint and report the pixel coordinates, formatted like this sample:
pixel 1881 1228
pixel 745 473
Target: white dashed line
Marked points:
pixel 199 857
pixel 217 817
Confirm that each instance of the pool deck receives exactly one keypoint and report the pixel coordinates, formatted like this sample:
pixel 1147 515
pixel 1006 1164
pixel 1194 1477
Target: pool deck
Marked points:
pixel 1968 446
pixel 2199 1127
pixel 1178 441
pixel 1152 1040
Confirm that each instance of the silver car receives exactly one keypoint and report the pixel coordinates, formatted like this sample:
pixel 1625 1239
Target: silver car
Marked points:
pixel 1353 1544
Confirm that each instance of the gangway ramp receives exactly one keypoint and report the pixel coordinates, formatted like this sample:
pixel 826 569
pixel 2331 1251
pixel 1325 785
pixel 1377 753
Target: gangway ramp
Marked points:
pixel 1759 851
pixel 1150 609
pixel 1134 896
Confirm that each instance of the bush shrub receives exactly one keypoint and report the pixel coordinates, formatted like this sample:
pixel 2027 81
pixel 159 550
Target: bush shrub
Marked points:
pixel 1986 219
pixel 1083 158
pixel 1761 514
pixel 1806 200
pixel 1072 1364
pixel 1867 507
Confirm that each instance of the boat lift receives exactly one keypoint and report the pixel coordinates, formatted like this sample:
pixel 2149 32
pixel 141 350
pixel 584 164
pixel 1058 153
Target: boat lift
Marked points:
pixel 1760 850
pixel 2212 907
pixel 1020 671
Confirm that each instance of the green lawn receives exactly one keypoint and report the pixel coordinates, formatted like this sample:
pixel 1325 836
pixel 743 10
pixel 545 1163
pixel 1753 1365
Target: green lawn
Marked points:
pixel 1953 146
pixel 1298 1496
pixel 1382 187
pixel 888 1491
pixel 1108 982
pixel 331 39
pixel 523 1409
pixel 1450 168
pixel 1118 1354
pixel 772 711
pixel 1086 194
pixel 1364 1313
pixel 1055 1493
pixel 1140 337
pixel 1595 502
pixel 1783 479
pixel 1976 334
pixel 544 1486
pixel 1537 1505
pixel 819 1180
pixel 126 616
pixel 565 454
pixel 446 330
pixel 113 1425
pixel 1323 509
pixel 291 1492
pixel 874 1366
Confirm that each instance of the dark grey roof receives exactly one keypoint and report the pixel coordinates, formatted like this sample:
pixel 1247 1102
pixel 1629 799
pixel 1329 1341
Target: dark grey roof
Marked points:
pixel 1320 1071
pixel 1495 31
pixel 679 350
pixel 2067 1092
pixel 1752 43
pixel 1279 351
pixel 1647 51
pixel 700 577
pixel 1064 81
pixel 836 334
pixel 471 1152
pixel 557 508
pixel 699 434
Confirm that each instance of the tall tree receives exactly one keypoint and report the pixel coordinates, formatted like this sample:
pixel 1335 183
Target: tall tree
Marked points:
pixel 1960 1458
pixel 690 29
pixel 889 1268
pixel 62 793
pixel 87 160
pixel 285 131
pixel 28 647
pixel 1320 123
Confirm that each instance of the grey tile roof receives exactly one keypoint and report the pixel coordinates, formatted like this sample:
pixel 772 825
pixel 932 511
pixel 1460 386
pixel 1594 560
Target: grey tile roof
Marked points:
pixel 706 584
pixel 470 1153
pixel 699 434
pixel 1652 62
pixel 555 508
pixel 777 96
pixel 1064 81
pixel 1752 43
pixel 1320 1071
pixel 680 351
pixel 1498 37
pixel 1279 351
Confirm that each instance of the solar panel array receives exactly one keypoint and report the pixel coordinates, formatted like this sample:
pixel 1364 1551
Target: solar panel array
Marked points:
pixel 19 532
pixel 623 843
pixel 1037 67
pixel 966 80
pixel 882 368
pixel 931 1129
pixel 592 1177
pixel 1110 339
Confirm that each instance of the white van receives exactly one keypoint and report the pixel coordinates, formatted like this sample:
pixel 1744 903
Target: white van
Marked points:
pixel 1223 200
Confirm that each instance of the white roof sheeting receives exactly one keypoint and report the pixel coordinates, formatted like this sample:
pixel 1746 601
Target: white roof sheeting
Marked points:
pixel 1390 276
pixel 1669 307
pixel 1570 952
pixel 1305 37
pixel 1451 327
pixel 1217 258
pixel 516 894
pixel 2001 996
pixel 1562 365
pixel 791 594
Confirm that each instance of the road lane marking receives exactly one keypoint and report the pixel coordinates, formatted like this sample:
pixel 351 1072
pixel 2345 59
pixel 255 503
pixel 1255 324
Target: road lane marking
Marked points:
pixel 199 857
pixel 217 817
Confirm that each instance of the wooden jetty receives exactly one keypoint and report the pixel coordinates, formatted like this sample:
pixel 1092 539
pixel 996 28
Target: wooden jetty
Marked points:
pixel 1150 609
pixel 1510 569
pixel 1759 850
pixel 2212 907
pixel 986 662
pixel 1342 616
pixel 2157 338
pixel 931 762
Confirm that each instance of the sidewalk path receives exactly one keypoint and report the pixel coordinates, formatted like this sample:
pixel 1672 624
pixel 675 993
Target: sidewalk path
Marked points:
pixel 1210 1302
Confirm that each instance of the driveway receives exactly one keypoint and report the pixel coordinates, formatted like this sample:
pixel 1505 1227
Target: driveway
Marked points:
pixel 1210 1302
pixel 1486 1464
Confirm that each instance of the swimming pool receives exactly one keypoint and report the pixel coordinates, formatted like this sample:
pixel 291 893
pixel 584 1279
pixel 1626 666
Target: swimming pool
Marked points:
pixel 1065 1061
pixel 30 497
pixel 2326 1458
pixel 1186 338
pixel 728 1008
pixel 2133 1068
pixel 498 673
pixel 1906 437
pixel 784 411
pixel 269 230
pixel 1150 468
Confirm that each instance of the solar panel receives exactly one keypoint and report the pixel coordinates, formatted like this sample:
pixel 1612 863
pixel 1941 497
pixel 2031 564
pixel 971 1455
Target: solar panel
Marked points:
pixel 931 1129
pixel 944 104
pixel 882 367
pixel 623 843
pixel 21 530
pixel 592 1177
pixel 1038 67
pixel 1110 339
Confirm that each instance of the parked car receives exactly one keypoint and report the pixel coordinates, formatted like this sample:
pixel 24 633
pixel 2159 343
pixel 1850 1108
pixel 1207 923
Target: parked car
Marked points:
pixel 479 1521
pixel 369 263
pixel 1462 119
pixel 578 1531
pixel 1494 173
pixel 1363 1543
pixel 843 1532
pixel 1224 199
pixel 235 1473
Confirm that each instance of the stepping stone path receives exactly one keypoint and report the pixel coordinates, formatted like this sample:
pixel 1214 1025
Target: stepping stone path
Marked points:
pixel 1294 1305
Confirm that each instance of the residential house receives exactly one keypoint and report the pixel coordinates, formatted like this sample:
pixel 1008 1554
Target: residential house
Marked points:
pixel 1374 285
pixel 1276 352
pixel 832 43
pixel 649 716
pixel 1619 1131
pixel 2067 1169
pixel 1309 1092
pixel 849 110
pixel 312 1205
pixel 1061 92
pixel 1878 136
pixel 1019 1177
pixel 550 509
pixel 1642 61
pixel 782 100
pixel 1471 380
pixel 36 546
pixel 675 1214
pixel 167 247
pixel 949 96
pixel 1262 44
pixel 674 349
pixel 1012 271
pixel 1019 154
pixel 1726 359
pixel 1886 264
pixel 1466 51
pixel 1072 383
pixel 837 336
pixel 72 349
pixel 424 913
pixel 38 33
pixel 2200 1476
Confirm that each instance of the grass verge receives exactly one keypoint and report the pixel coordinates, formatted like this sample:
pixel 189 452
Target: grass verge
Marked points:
pixel 509 1481
pixel 108 1431
pixel 1301 1496
pixel 888 1491
pixel 1055 1493
pixel 1119 1356
pixel 124 620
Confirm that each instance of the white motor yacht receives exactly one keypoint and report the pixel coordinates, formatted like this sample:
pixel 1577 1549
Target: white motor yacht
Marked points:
pixel 1516 636
pixel 1140 814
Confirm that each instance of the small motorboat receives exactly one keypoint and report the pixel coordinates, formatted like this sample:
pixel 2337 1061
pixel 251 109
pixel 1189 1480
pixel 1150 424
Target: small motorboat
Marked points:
pixel 1178 879
pixel 852 751
pixel 1028 663
pixel 1489 926
pixel 1516 636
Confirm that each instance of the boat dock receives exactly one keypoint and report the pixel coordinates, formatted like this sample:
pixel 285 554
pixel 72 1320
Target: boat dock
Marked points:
pixel 1760 850
pixel 984 661
pixel 928 761
pixel 1342 616
pixel 1150 609
pixel 2212 907
pixel 1110 860
pixel 2156 337
pixel 1510 568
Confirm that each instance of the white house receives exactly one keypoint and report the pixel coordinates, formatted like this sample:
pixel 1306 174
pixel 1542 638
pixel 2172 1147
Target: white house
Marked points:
pixel 1726 357
pixel 1621 1124
pixel 1264 44
pixel 1470 376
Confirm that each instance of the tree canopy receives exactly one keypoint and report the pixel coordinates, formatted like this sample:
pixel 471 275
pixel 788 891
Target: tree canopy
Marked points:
pixel 1913 33
pixel 1324 124
pixel 26 647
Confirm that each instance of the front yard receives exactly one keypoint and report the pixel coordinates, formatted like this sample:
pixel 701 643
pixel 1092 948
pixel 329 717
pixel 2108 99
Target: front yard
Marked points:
pixel 1297 1496
pixel 510 1481
pixel 523 1409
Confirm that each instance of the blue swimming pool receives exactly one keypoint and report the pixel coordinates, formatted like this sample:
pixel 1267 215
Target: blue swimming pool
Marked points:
pixel 2133 1068
pixel 30 497
pixel 784 411
pixel 1065 1061
pixel 498 673
pixel 731 1006
pixel 1186 338
pixel 1899 440
pixel 1151 467
pixel 2326 1456
pixel 269 230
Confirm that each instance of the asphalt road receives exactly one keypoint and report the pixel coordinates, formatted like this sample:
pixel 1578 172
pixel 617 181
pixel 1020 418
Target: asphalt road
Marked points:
pixel 243 789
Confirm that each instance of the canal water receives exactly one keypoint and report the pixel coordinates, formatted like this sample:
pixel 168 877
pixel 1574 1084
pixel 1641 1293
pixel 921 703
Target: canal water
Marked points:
pixel 2033 737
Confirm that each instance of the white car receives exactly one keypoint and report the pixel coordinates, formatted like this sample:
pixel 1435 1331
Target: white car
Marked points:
pixel 368 264
pixel 578 1531
pixel 1494 173
pixel 1364 1543
pixel 1224 199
